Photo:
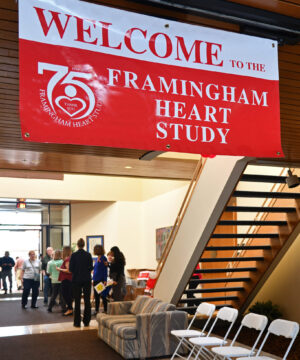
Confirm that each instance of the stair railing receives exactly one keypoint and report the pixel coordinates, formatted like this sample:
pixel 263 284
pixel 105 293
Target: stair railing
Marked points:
pixel 248 241
pixel 180 216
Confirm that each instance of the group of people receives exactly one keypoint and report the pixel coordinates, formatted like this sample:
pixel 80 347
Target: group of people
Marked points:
pixel 71 275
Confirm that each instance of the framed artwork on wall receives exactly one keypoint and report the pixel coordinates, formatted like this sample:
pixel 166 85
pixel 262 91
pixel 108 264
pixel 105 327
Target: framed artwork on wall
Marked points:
pixel 162 236
pixel 91 241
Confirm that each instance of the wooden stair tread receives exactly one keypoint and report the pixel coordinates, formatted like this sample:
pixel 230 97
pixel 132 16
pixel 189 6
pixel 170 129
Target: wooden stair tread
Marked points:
pixel 238 247
pixel 252 222
pixel 252 236
pixel 266 194
pixel 260 209
pixel 212 290
pixel 218 270
pixel 229 259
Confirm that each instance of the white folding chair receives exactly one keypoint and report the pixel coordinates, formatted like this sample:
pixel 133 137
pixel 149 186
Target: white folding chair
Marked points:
pixel 279 327
pixel 200 344
pixel 251 321
pixel 204 309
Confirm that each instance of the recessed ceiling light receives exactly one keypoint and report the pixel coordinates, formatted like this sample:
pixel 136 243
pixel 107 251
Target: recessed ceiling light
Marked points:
pixel 128 167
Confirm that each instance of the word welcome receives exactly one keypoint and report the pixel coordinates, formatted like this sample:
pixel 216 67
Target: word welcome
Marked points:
pixel 136 40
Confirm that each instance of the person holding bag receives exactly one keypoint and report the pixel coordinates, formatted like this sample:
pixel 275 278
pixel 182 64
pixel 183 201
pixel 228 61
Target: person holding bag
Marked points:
pixel 100 275
pixel 31 279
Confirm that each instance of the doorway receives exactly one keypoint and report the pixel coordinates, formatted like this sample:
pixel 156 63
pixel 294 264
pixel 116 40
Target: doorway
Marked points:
pixel 34 226
pixel 19 243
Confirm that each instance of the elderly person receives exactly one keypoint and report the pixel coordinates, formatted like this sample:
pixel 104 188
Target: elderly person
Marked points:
pixel 31 279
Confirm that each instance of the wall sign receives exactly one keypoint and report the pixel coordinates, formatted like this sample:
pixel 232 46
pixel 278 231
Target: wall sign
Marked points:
pixel 95 75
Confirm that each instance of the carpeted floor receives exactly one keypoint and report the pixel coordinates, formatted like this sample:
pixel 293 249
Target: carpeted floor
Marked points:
pixel 73 345
pixel 12 314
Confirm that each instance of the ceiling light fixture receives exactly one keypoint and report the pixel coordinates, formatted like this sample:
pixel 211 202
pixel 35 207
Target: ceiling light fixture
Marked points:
pixel 292 180
pixel 21 204
pixel 128 167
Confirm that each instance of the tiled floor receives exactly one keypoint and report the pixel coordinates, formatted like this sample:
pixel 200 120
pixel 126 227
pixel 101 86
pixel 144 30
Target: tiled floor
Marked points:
pixel 43 329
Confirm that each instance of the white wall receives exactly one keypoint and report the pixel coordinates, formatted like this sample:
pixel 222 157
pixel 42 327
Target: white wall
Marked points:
pixel 129 225
pixel 158 212
pixel 283 286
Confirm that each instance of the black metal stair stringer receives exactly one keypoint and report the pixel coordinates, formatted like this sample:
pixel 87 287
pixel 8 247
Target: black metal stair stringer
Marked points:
pixel 258 209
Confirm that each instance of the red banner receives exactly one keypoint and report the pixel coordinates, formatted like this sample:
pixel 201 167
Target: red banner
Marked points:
pixel 93 80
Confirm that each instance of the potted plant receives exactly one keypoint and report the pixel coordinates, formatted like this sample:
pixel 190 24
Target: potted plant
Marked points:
pixel 267 308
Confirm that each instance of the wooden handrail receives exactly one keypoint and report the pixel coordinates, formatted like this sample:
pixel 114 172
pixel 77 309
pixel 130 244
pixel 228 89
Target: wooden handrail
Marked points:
pixel 180 216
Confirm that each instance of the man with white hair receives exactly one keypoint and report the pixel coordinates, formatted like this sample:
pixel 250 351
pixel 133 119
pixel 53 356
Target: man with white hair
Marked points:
pixel 47 279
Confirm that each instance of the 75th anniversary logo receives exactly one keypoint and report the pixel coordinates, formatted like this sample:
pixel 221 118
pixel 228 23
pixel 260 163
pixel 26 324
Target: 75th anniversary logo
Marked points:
pixel 67 99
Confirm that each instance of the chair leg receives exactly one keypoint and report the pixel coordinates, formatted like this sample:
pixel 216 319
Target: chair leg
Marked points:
pixel 191 352
pixel 177 348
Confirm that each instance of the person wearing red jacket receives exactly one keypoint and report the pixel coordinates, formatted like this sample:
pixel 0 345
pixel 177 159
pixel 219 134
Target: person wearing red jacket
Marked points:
pixel 193 285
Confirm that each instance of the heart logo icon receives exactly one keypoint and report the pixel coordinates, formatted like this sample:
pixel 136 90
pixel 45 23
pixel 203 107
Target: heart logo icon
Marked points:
pixel 71 106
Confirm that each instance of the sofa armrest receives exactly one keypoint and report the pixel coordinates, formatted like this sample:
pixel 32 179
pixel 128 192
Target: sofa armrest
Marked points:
pixel 154 332
pixel 119 308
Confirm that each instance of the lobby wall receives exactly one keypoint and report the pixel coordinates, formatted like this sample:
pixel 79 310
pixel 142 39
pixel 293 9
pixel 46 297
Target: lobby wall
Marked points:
pixel 128 224
pixel 283 286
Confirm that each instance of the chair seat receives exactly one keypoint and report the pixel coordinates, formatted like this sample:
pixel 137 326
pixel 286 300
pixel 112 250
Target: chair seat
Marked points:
pixel 186 333
pixel 234 351
pixel 256 358
pixel 207 341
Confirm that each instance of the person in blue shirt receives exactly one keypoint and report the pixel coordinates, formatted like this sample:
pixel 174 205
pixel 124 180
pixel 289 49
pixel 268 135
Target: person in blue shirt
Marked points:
pixel 100 275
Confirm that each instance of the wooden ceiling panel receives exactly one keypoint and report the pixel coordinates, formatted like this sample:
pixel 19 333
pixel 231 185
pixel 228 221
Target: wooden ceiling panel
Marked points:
pixel 81 159
pixel 283 7
pixel 174 169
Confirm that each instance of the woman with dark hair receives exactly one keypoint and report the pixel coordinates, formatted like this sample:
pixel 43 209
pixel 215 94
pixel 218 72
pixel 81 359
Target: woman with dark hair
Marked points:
pixel 117 274
pixel 100 275
pixel 66 279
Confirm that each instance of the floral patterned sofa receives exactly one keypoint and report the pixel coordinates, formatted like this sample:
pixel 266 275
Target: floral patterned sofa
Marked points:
pixel 141 328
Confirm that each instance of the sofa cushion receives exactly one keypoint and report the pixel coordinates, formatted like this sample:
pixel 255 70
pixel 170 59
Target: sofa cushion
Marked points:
pixel 125 330
pixel 100 317
pixel 163 306
pixel 143 304
pixel 111 321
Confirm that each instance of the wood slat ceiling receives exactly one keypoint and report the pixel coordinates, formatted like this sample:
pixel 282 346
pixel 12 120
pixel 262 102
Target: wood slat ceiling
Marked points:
pixel 91 159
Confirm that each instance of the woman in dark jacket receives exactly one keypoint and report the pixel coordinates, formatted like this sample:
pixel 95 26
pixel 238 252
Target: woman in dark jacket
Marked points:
pixel 100 275
pixel 117 274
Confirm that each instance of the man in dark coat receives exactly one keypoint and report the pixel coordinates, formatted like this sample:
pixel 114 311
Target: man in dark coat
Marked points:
pixel 81 265
pixel 7 263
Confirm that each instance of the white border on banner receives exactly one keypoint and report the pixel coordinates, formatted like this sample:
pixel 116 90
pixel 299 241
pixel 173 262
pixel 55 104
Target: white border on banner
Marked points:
pixel 238 53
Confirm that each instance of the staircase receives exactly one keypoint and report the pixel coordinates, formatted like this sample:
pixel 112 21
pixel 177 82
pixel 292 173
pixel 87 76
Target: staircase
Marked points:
pixel 235 263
